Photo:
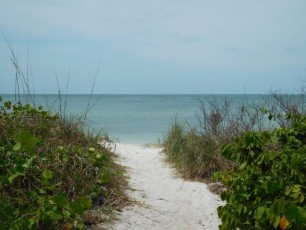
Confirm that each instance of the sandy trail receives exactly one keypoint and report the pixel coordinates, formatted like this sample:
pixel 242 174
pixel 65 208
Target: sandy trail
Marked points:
pixel 163 200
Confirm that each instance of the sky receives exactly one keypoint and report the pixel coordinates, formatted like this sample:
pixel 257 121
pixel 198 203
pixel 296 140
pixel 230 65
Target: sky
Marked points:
pixel 154 46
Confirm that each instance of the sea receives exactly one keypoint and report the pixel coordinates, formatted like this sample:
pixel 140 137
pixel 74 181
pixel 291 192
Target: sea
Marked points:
pixel 135 119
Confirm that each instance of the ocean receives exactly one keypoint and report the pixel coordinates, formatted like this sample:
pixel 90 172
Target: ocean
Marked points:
pixel 136 119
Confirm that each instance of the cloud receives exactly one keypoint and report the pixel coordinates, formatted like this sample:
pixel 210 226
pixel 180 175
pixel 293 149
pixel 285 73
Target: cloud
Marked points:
pixel 218 38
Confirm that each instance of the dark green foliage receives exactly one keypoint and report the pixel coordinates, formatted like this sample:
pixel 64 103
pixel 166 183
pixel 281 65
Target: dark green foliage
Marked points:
pixel 49 170
pixel 266 190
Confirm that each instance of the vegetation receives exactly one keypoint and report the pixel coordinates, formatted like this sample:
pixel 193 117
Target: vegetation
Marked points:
pixel 195 152
pixel 258 154
pixel 194 156
pixel 51 173
pixel 267 190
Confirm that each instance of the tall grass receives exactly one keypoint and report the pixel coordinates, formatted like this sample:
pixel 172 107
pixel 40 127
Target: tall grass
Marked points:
pixel 195 151
pixel 194 156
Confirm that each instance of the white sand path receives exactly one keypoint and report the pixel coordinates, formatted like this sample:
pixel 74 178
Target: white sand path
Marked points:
pixel 163 200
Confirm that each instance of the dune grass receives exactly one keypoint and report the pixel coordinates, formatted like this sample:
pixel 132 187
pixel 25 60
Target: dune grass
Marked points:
pixel 196 151
pixel 194 156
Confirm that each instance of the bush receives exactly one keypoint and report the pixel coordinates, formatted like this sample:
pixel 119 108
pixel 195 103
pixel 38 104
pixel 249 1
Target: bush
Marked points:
pixel 50 171
pixel 266 190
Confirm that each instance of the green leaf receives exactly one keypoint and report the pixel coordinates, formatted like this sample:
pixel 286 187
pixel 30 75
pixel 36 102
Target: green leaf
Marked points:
pixel 288 190
pixel 259 212
pixel 80 205
pixel 65 159
pixel 291 211
pixel 76 207
pixel 60 148
pixel 30 222
pixel 301 217
pixel 276 220
pixel 60 200
pixel 91 150
pixel 66 213
pixel 26 140
pixel 42 191
pixel 16 213
pixel 17 147
pixel 243 165
pixel 52 187
pixel 47 174
pixel 300 198
pixel 44 158
pixel 12 177
pixel 99 181
pixel 55 215
pixel 106 177
pixel 239 208
pixel 15 174
pixel 245 209
pixel 32 194
pixel 86 202
pixel 27 163
pixel 296 188
pixel 281 205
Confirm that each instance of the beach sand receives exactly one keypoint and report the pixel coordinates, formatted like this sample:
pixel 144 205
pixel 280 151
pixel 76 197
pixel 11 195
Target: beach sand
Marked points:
pixel 162 200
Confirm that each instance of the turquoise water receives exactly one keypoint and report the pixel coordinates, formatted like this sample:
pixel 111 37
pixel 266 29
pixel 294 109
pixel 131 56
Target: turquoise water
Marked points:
pixel 137 118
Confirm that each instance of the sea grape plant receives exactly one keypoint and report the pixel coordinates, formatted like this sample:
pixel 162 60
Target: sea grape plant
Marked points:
pixel 267 189
pixel 46 181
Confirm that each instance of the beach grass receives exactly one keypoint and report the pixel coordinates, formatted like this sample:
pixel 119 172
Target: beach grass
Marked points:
pixel 194 156
pixel 195 151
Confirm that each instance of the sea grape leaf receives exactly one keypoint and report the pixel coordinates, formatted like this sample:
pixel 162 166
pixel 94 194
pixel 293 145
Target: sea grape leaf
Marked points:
pixel 17 147
pixel 15 172
pixel 76 207
pixel 291 211
pixel 26 140
pixel 259 212
pixel 46 176
pixel 276 220
pixel 301 216
pixel 13 176
pixel 56 215
pixel 91 150
pixel 60 200
pixel 80 205
pixel 86 202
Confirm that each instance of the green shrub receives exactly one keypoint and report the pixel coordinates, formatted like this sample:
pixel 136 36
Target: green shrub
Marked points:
pixel 50 171
pixel 267 190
